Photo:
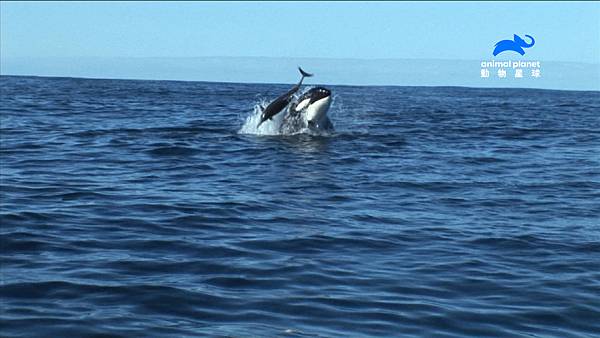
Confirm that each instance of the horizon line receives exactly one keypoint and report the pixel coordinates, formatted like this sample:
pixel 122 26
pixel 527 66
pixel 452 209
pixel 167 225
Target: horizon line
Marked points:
pixel 282 57
pixel 273 83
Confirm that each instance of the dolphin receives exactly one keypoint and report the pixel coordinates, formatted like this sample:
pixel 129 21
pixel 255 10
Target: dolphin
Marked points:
pixel 517 45
pixel 276 106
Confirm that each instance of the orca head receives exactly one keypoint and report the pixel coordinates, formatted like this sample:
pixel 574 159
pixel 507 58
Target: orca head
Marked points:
pixel 315 104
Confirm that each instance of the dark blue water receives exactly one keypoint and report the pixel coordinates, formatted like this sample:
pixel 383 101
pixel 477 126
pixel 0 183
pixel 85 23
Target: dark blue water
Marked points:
pixel 135 208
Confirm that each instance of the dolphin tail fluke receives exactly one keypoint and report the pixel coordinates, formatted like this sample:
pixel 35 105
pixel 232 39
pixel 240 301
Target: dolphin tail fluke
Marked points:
pixel 304 74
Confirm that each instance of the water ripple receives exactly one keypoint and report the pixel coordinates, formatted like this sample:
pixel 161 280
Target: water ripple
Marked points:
pixel 135 208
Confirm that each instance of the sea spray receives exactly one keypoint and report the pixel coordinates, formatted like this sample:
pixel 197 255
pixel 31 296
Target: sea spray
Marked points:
pixel 270 127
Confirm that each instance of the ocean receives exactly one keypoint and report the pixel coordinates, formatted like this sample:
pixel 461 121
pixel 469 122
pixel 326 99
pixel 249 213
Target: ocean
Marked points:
pixel 155 209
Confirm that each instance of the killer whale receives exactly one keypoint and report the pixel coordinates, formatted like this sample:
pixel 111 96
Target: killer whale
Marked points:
pixel 282 101
pixel 308 111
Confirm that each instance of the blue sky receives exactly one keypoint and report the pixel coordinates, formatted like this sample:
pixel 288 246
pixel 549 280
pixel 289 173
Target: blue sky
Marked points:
pixel 564 31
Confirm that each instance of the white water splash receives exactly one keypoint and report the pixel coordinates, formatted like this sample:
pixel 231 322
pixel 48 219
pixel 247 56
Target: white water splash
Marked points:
pixel 273 126
pixel 269 127
pixel 346 120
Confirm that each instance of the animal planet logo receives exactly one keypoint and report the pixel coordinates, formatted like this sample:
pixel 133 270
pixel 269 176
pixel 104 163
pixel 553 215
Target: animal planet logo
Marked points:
pixel 519 67
pixel 516 45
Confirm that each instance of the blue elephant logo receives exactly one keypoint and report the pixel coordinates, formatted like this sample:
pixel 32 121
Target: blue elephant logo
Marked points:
pixel 516 46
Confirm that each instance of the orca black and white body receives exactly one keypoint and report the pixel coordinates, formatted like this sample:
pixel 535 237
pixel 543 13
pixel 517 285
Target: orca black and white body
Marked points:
pixel 282 101
pixel 309 111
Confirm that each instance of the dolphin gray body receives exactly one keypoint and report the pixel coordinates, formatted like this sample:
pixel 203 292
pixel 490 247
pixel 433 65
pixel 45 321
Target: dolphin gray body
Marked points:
pixel 281 102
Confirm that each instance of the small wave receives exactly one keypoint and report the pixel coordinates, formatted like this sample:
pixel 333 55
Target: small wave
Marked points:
pixel 194 127
pixel 173 151
pixel 244 282
pixel 569 104
pixel 27 216
pixel 77 195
